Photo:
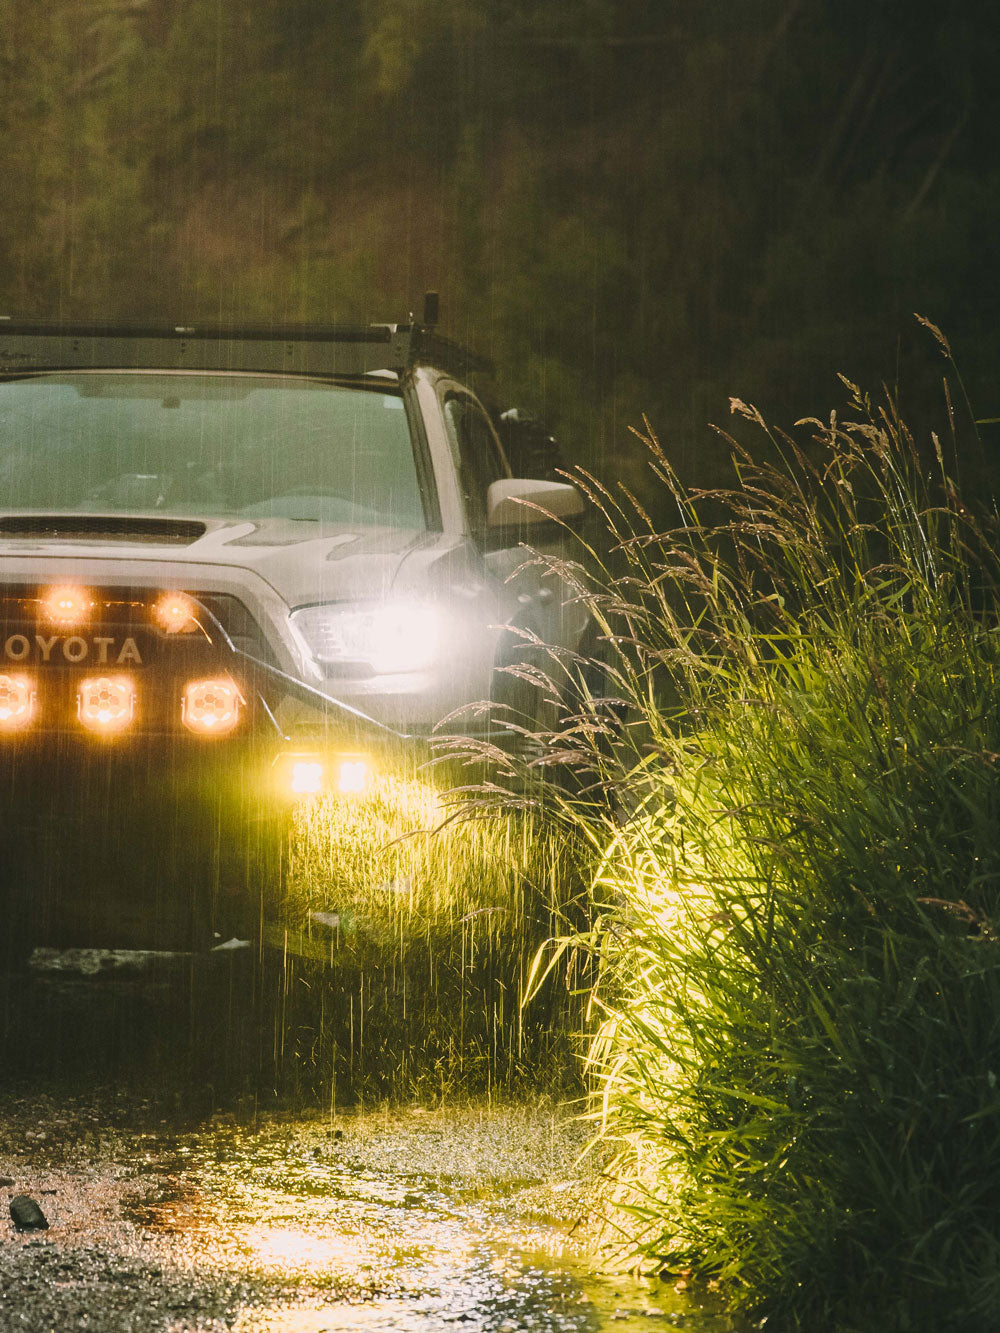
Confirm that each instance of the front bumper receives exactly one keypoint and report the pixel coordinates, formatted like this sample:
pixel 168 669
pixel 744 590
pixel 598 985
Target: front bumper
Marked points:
pixel 151 833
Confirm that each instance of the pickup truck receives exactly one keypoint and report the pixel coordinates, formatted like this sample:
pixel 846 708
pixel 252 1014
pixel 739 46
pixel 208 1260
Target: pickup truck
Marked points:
pixel 239 565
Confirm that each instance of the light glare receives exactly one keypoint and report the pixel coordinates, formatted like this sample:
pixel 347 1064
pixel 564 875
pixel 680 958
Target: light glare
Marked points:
pixel 67 605
pixel 307 777
pixel 353 775
pixel 392 638
pixel 17 702
pixel 211 707
pixel 175 613
pixel 106 704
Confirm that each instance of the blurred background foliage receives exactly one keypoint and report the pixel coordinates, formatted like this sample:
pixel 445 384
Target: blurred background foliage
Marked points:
pixel 632 205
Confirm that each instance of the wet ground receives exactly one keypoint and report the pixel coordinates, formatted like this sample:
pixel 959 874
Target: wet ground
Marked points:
pixel 173 1208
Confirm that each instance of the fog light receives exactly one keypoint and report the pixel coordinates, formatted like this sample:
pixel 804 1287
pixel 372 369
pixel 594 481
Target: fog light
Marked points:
pixel 67 605
pixel 307 777
pixel 106 703
pixel 211 707
pixel 176 613
pixel 17 702
pixel 352 775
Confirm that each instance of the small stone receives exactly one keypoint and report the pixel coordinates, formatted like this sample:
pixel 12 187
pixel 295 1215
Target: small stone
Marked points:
pixel 5 1181
pixel 26 1214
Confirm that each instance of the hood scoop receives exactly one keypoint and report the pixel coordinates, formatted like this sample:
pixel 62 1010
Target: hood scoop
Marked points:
pixel 103 528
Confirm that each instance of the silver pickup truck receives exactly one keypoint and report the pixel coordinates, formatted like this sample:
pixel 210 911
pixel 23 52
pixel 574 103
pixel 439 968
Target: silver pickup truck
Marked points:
pixel 236 563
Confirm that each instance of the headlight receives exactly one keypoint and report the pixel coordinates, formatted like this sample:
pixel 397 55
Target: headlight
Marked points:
pixel 390 637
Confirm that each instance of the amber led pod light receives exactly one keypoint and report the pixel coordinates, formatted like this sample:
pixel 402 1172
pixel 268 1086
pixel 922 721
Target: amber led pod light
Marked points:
pixel 17 702
pixel 67 605
pixel 105 704
pixel 176 613
pixel 211 707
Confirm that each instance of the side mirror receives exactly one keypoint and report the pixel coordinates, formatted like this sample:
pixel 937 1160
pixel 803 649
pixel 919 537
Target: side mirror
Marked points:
pixel 531 451
pixel 517 503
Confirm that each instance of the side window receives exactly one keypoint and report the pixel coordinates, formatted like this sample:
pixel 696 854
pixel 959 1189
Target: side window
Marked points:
pixel 474 449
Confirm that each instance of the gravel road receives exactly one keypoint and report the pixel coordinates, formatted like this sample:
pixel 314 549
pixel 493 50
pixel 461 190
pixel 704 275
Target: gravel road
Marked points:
pixel 167 1211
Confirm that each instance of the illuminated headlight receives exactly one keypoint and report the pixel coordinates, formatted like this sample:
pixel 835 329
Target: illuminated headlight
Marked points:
pixel 17 702
pixel 211 707
pixel 307 777
pixel 106 704
pixel 352 776
pixel 67 606
pixel 317 774
pixel 390 637
pixel 176 614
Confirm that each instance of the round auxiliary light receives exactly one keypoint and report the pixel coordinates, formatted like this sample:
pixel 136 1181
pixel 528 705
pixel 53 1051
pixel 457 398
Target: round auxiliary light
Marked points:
pixel 176 613
pixel 17 702
pixel 211 707
pixel 66 605
pixel 105 704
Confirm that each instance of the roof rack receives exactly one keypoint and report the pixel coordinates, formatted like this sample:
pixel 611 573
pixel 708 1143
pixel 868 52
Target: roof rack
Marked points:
pixel 305 349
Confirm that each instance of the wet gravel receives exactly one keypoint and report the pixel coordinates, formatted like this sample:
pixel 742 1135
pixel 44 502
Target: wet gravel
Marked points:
pixel 171 1207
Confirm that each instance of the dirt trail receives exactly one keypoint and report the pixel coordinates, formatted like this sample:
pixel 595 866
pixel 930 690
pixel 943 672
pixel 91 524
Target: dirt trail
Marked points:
pixel 410 1219
pixel 167 1215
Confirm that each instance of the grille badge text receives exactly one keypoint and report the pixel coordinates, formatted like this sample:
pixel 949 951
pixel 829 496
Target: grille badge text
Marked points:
pixel 72 649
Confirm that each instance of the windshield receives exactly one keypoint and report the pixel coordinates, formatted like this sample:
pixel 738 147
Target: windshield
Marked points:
pixel 252 446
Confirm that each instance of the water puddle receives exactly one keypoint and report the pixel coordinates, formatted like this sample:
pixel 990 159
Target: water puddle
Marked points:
pixel 397 1220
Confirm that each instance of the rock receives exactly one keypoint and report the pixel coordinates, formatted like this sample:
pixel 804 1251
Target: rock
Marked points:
pixel 231 945
pixel 5 1181
pixel 26 1214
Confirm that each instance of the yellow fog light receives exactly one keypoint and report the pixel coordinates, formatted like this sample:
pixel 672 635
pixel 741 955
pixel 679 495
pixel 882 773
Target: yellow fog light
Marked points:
pixel 17 702
pixel 309 773
pixel 176 613
pixel 105 703
pixel 352 775
pixel 211 707
pixel 306 777
pixel 67 605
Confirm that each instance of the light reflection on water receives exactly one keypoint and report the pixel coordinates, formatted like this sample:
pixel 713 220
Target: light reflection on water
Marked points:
pixel 449 1225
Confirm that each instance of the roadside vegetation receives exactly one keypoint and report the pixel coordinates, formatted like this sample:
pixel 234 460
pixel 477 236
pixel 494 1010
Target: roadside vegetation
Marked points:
pixel 752 877
pixel 410 937
pixel 790 771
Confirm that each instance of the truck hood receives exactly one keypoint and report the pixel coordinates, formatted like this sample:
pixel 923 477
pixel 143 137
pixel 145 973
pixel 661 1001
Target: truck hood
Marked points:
pixel 303 562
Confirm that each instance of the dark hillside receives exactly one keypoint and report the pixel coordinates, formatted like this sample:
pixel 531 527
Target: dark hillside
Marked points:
pixel 633 206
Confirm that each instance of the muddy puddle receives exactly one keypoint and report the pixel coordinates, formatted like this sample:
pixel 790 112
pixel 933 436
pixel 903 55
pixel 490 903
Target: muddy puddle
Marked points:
pixel 413 1219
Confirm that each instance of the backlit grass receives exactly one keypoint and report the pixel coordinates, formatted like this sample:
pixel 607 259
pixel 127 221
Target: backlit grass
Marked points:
pixel 790 765
pixel 426 931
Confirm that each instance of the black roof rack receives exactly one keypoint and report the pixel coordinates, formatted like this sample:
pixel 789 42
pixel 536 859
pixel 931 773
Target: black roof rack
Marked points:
pixel 307 349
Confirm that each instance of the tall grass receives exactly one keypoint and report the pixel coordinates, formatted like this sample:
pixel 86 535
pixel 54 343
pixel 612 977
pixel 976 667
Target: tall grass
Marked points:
pixel 790 763
pixel 409 981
